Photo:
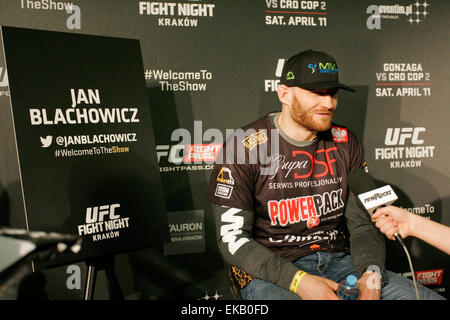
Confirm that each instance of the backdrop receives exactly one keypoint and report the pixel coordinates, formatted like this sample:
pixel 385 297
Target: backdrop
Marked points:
pixel 213 66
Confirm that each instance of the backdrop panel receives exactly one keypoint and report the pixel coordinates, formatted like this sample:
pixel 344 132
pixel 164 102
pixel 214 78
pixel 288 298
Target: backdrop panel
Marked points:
pixel 85 148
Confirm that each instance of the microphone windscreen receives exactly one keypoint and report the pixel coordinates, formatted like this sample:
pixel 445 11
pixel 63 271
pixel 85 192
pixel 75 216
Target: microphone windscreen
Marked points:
pixel 360 182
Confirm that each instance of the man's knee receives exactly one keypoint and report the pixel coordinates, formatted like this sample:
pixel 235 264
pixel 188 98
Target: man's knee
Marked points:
pixel 401 288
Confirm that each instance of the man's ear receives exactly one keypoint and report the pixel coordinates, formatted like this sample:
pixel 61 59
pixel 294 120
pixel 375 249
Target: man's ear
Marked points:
pixel 283 94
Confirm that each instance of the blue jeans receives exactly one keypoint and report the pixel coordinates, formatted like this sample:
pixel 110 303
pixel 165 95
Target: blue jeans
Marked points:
pixel 335 266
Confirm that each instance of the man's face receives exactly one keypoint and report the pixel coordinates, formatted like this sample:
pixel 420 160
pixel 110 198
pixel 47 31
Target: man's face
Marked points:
pixel 313 110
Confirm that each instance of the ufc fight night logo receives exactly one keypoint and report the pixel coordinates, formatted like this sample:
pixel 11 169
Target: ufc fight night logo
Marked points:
pixel 103 222
pixel 405 147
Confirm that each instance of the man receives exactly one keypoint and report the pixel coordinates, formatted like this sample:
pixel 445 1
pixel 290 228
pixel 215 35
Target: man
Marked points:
pixel 280 214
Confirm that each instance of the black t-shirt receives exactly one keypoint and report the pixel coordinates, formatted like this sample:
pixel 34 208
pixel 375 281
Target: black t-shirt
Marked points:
pixel 298 192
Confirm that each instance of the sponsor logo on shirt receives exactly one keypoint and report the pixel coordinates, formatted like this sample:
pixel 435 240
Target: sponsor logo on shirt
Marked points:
pixel 339 134
pixel 308 208
pixel 310 239
pixel 232 225
pixel 226 181
pixel 365 167
pixel 319 164
pixel 223 191
pixel 251 141
pixel 225 176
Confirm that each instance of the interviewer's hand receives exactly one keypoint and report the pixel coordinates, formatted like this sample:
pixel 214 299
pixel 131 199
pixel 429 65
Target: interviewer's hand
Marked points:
pixel 391 219
pixel 317 288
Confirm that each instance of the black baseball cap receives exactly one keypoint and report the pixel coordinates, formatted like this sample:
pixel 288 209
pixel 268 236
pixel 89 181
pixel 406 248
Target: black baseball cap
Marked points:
pixel 312 70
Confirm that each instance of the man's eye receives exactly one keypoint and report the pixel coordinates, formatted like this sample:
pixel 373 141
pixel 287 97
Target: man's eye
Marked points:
pixel 326 93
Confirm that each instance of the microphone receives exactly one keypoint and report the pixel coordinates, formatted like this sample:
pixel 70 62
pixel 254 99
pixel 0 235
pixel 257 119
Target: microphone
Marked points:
pixel 364 187
pixel 371 197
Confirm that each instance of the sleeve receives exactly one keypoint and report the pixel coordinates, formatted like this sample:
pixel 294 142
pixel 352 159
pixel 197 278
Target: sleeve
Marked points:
pixel 356 153
pixel 233 229
pixel 367 244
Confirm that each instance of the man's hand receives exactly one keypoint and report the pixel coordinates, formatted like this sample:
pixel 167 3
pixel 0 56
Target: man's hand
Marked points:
pixel 369 286
pixel 317 288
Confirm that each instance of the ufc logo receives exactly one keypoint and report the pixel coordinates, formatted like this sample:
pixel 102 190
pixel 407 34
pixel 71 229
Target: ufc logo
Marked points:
pixel 398 136
pixel 94 214
pixel 272 84
pixel 174 153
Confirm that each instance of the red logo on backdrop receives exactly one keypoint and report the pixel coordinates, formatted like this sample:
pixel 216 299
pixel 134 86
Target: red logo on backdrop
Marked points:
pixel 339 134
pixel 202 152
pixel 430 277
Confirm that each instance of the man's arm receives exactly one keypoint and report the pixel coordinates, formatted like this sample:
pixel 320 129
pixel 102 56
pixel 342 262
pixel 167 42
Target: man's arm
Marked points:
pixel 367 244
pixel 234 227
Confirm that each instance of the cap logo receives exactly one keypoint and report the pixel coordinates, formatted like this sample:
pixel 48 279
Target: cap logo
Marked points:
pixel 313 67
pixel 290 76
pixel 327 67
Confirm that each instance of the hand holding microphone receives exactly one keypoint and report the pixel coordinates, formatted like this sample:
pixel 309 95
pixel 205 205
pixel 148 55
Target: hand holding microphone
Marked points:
pixel 391 220
pixel 396 223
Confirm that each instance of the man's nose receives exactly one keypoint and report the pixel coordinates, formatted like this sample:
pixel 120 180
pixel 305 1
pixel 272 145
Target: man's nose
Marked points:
pixel 328 101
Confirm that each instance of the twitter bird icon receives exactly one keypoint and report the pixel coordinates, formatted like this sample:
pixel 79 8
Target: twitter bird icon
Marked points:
pixel 46 142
